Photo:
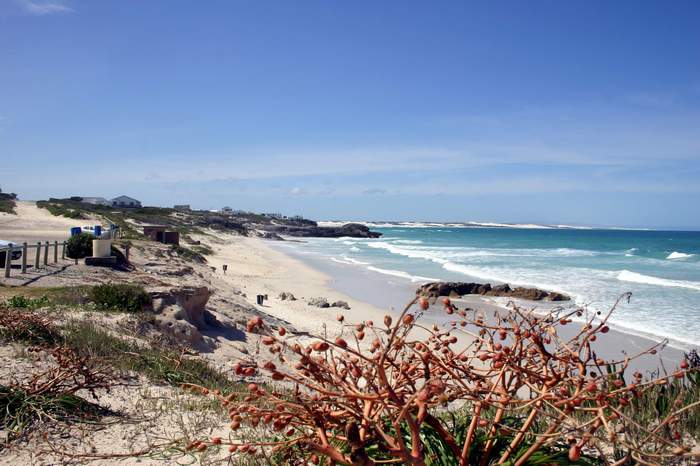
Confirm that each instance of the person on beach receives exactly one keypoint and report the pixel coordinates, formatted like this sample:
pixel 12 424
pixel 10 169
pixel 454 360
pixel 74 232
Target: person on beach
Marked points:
pixel 224 267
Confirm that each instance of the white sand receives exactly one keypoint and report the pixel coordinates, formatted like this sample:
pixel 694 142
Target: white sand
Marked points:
pixel 33 224
pixel 255 268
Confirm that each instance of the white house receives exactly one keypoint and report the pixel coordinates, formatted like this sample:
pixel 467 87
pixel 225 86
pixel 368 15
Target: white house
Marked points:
pixel 125 201
pixel 96 201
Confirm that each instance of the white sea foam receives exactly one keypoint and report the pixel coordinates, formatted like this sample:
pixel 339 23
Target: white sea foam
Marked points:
pixel 679 255
pixel 633 277
pixel 354 261
pixel 441 254
pixel 348 260
pixel 341 261
pixel 355 249
pixel 509 225
pixel 401 274
pixel 408 241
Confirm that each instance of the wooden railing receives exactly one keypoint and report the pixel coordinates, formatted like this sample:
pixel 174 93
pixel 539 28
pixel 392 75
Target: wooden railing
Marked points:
pixel 39 246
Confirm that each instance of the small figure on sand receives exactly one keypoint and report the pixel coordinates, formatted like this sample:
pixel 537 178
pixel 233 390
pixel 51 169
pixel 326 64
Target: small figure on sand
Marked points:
pixel 224 267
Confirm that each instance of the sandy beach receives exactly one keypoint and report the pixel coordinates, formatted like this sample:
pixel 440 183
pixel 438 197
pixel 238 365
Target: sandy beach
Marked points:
pixel 268 267
pixel 255 268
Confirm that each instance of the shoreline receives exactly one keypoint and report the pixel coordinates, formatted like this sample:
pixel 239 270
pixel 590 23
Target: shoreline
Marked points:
pixel 390 294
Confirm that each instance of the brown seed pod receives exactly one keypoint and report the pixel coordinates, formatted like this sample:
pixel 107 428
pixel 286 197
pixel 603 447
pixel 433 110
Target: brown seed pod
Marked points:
pixel 424 304
pixel 341 343
pixel 320 346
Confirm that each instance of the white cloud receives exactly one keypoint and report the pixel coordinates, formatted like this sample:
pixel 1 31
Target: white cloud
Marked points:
pixel 44 7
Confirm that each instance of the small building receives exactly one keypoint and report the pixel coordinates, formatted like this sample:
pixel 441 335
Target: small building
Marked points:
pixel 274 215
pixel 226 210
pixel 125 201
pixel 96 201
pixel 161 234
pixel 182 207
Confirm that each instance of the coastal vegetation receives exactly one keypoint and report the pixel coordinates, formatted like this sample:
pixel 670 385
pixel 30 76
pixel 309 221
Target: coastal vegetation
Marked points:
pixel 76 357
pixel 191 255
pixel 7 202
pixel 120 297
pixel 116 297
pixel 79 246
pixel 198 221
pixel 518 393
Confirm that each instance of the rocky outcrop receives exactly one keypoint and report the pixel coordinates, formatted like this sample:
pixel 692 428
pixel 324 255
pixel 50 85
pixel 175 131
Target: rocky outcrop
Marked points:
pixel 341 304
pixel 354 230
pixel 318 302
pixel 323 302
pixel 181 314
pixel 455 289
pixel 286 296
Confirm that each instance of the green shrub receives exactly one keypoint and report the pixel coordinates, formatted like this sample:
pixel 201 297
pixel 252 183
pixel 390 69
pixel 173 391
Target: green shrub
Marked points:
pixel 203 249
pixel 23 302
pixel 60 210
pixel 79 246
pixel 159 364
pixel 120 297
pixel 188 254
pixel 7 206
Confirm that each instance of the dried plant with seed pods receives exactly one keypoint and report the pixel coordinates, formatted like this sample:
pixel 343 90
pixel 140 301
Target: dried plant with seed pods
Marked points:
pixel 52 394
pixel 505 390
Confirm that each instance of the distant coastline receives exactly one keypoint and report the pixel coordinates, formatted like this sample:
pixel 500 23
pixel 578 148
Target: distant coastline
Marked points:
pixel 473 224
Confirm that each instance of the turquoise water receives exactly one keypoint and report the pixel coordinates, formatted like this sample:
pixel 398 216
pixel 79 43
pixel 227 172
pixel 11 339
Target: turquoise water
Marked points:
pixel 660 268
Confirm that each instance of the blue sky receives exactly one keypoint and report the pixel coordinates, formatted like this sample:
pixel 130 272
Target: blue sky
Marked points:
pixel 581 112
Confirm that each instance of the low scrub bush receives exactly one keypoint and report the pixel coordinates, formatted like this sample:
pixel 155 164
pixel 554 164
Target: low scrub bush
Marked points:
pixel 120 297
pixel 22 302
pixel 60 210
pixel 382 393
pixel 7 202
pixel 159 364
pixel 51 395
pixel 28 327
pixel 79 246
pixel 203 249
pixel 188 254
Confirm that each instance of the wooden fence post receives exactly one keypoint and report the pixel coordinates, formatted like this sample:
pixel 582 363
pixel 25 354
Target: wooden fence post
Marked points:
pixel 8 261
pixel 55 252
pixel 46 253
pixel 63 250
pixel 38 255
pixel 24 257
pixel 126 251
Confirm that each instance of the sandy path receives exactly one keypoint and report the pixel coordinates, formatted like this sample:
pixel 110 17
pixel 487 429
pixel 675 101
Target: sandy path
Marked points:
pixel 33 224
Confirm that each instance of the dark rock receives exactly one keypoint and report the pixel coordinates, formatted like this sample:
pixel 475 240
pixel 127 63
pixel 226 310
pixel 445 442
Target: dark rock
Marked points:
pixel 499 290
pixel 318 302
pixel 341 304
pixel 455 289
pixel 286 296
pixel 354 230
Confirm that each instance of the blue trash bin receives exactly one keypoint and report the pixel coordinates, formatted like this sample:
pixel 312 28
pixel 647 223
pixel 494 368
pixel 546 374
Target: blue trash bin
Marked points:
pixel 75 231
pixel 98 231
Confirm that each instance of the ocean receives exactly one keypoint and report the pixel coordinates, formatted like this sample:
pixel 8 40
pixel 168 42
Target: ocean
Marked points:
pixel 593 266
